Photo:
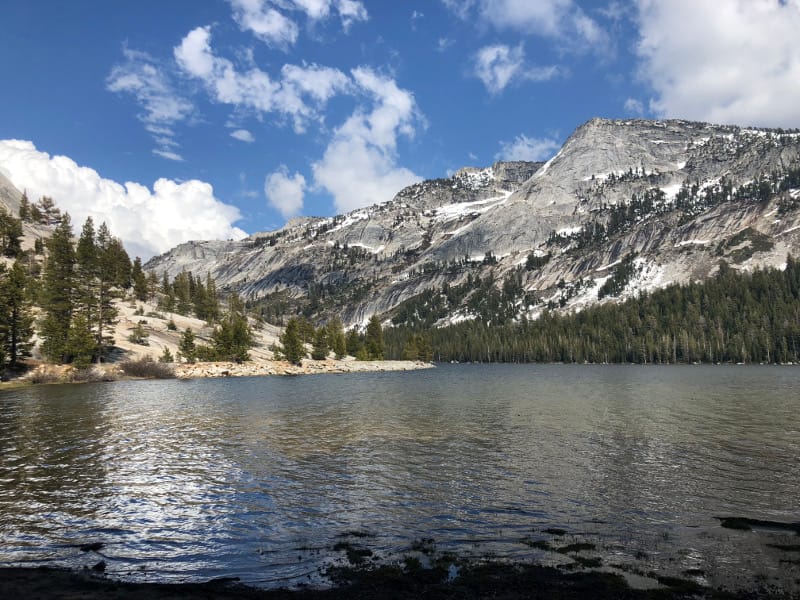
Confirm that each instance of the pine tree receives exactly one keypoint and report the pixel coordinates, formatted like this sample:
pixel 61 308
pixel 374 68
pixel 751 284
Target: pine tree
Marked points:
pixel 374 339
pixel 152 285
pixel 140 290
pixel 80 345
pixel 187 347
pixel 24 208
pixel 336 339
pixel 319 350
pixel 166 356
pixel 232 338
pixel 292 345
pixel 16 322
pixel 10 234
pixel 354 342
pixel 57 289
pixel 109 265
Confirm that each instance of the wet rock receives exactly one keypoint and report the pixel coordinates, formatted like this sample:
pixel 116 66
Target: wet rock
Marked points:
pixel 92 547
pixel 100 567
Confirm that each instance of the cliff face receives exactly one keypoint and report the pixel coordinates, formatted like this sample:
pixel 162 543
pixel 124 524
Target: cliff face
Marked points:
pixel 679 195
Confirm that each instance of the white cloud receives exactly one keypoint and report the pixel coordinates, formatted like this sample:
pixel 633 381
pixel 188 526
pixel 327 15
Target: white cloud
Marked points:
pixel 273 27
pixel 168 154
pixel 634 107
pixel 530 149
pixel 243 136
pixel 351 11
pixel 359 166
pixel 563 20
pixel 300 94
pixel 162 105
pixel 727 61
pixel 284 192
pixel 444 43
pixel 497 66
pixel 148 221
pixel 265 22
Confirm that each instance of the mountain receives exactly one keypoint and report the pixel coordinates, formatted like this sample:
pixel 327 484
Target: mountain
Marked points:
pixel 624 206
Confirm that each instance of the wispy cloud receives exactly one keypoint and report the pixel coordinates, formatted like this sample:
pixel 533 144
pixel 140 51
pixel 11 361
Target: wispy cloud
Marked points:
pixel 526 148
pixel 162 105
pixel 497 66
pixel 243 135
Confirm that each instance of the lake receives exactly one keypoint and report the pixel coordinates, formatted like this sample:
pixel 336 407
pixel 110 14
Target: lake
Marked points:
pixel 259 478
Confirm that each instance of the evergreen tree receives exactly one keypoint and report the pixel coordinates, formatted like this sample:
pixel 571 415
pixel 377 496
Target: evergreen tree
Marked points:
pixel 80 345
pixel 57 289
pixel 232 338
pixel 292 345
pixel 354 342
pixel 410 349
pixel 319 350
pixel 374 339
pixel 120 266
pixel 140 290
pixel 24 208
pixel 10 234
pixel 336 339
pixel 187 347
pixel 16 322
pixel 152 285
pixel 166 356
pixel 107 277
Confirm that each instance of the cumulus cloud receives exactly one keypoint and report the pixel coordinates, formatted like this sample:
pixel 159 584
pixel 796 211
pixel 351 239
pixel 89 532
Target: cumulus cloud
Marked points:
pixel 149 221
pixel 162 106
pixel 497 66
pixel 562 20
pixel 728 61
pixel 243 136
pixel 285 192
pixel 525 148
pixel 359 166
pixel 300 94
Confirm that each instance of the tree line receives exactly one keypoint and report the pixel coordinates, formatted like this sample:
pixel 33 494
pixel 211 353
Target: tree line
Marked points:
pixel 732 317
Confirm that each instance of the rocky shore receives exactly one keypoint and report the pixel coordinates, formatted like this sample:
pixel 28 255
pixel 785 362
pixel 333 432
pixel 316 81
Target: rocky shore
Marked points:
pixel 308 367
pixel 117 371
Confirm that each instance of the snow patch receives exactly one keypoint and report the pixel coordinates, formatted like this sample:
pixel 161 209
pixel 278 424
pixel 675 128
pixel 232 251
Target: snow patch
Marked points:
pixel 692 242
pixel 458 210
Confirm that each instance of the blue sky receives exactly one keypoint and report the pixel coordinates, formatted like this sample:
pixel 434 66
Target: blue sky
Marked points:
pixel 211 119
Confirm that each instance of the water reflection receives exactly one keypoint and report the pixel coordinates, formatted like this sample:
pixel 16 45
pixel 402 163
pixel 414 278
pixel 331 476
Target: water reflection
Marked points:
pixel 191 480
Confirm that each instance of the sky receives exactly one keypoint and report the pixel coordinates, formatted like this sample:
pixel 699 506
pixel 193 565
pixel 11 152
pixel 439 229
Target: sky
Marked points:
pixel 216 119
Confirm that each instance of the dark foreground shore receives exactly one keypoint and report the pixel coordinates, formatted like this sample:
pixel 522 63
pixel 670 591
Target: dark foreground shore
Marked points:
pixel 492 580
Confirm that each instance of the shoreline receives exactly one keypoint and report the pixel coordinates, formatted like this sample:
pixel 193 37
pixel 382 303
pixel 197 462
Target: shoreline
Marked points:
pixel 401 581
pixel 308 367
pixel 45 374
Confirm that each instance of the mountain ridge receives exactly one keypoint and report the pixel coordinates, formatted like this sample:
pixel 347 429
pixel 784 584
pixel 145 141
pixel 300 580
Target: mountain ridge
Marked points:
pixel 668 177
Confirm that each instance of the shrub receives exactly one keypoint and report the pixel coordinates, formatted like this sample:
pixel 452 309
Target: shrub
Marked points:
pixel 148 368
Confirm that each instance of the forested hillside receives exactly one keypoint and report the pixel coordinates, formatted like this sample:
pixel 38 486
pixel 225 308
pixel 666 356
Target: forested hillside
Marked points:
pixel 733 317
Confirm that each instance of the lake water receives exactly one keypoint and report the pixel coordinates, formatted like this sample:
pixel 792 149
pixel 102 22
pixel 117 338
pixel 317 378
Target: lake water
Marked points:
pixel 259 478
